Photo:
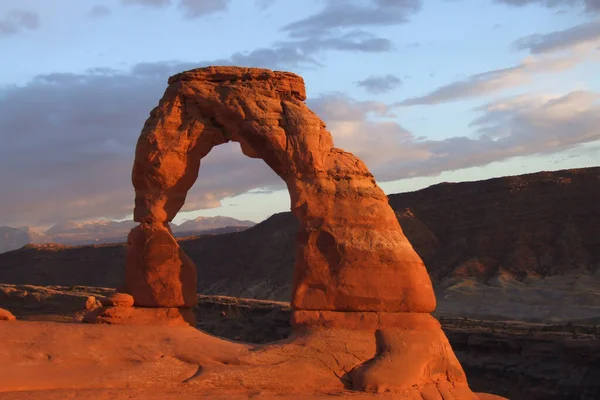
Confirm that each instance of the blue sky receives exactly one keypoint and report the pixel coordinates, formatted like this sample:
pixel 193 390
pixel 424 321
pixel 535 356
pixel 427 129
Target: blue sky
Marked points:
pixel 424 91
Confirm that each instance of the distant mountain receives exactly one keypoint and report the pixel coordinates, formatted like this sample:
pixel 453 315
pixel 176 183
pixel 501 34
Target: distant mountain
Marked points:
pixel 204 224
pixel 90 232
pixel 13 238
pixel 105 231
pixel 99 226
pixel 531 236
pixel 522 247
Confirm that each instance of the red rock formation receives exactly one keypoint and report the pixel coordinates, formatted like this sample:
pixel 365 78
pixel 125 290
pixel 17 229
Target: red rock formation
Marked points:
pixel 157 272
pixel 354 266
pixel 352 254
pixel 118 300
pixel 6 315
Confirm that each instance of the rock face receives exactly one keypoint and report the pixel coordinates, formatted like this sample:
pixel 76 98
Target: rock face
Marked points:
pixel 157 272
pixel 541 224
pixel 351 252
pixel 354 266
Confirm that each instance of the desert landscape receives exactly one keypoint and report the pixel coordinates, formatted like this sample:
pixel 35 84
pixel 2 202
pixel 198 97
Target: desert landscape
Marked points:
pixel 381 335
pixel 381 338
pixel 272 200
pixel 527 336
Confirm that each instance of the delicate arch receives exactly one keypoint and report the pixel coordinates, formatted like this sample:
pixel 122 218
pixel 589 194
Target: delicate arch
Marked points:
pixel 351 253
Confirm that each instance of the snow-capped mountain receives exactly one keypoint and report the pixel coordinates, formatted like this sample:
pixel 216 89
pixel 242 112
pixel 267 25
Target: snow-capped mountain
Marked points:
pixel 14 238
pixel 89 232
pixel 107 231
pixel 209 223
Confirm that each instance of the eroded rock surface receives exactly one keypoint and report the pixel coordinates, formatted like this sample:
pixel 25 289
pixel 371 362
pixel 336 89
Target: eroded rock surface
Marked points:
pixel 351 252
pixel 519 361
pixel 353 262
pixel 157 272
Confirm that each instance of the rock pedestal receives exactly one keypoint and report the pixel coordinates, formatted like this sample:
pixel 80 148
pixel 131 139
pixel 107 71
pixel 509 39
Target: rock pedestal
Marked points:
pixel 354 269
pixel 118 309
pixel 157 272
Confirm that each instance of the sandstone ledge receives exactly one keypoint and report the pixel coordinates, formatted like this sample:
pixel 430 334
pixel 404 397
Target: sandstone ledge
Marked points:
pixel 363 321
pixel 142 316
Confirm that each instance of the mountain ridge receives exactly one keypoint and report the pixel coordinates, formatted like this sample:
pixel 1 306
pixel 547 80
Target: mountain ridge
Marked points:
pixel 102 231
pixel 504 233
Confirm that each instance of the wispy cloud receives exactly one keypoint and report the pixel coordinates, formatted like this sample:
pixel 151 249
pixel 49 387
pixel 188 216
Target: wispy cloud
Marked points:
pixel 353 14
pixel 343 25
pixel 148 3
pixel 81 144
pixel 379 84
pixel 193 9
pixel 99 11
pixel 561 40
pixel 500 79
pixel 16 21
pixel 506 128
pixel 587 5
pixel 197 8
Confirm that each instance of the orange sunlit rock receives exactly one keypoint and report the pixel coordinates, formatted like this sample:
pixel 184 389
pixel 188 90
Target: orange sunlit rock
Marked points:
pixel 352 254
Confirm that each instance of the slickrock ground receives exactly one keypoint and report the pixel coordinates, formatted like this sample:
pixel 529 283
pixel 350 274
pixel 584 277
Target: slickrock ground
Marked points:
pixel 67 360
pixel 521 361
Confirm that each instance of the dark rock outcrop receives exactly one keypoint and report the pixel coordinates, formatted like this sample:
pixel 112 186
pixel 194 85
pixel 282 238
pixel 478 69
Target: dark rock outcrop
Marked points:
pixel 537 224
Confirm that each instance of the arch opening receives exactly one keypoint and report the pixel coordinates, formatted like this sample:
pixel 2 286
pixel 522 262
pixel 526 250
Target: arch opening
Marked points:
pixel 233 185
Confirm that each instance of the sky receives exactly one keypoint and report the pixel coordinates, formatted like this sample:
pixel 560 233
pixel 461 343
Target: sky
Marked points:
pixel 423 91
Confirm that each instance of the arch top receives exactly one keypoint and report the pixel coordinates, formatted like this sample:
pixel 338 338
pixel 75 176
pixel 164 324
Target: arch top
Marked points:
pixel 283 82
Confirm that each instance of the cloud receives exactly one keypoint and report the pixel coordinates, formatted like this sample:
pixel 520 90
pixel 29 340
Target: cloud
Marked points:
pixel 589 5
pixel 337 27
pixel 148 3
pixel 16 21
pixel 305 37
pixel 192 9
pixel 197 8
pixel 380 84
pixel 560 40
pixel 551 53
pixel 273 58
pixel 73 160
pixel 592 5
pixel 99 11
pixel 497 80
pixel 68 141
pixel 517 126
pixel 293 54
pixel 341 25
pixel 353 14
pixel 264 4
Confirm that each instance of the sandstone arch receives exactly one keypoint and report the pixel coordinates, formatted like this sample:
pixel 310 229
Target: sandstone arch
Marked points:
pixel 355 270
pixel 352 254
